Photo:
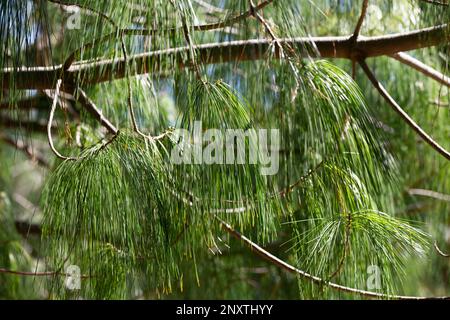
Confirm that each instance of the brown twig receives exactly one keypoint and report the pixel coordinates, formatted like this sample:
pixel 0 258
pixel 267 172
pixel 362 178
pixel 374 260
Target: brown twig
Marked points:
pixel 354 38
pixel 30 126
pixel 27 149
pixel 422 67
pixel 441 253
pixel 299 181
pixel 346 248
pixel 402 113
pixel 278 44
pixel 285 266
pixel 153 32
pixel 430 194
pixel 50 120
pixel 39 274
pixel 360 21
pixel 435 2
pixel 90 107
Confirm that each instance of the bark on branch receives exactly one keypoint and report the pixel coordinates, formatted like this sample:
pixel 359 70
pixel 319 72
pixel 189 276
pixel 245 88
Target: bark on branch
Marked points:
pixel 211 53
pixel 422 67
pixel 405 117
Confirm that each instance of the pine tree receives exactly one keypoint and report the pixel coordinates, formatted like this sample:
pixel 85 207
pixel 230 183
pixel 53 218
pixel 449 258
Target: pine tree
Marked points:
pixel 119 178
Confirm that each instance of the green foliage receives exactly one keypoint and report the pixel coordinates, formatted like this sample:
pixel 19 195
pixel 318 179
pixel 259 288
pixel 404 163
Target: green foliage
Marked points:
pixel 123 210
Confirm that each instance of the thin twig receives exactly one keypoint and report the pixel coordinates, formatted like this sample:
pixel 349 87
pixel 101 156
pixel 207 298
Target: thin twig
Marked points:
pixel 360 20
pixel 82 7
pixel 83 98
pixel 97 71
pixel 402 113
pixel 355 55
pixel 346 248
pixel 31 126
pixel 27 149
pixel 50 120
pixel 291 187
pixel 446 255
pixel 188 38
pixel 429 193
pixel 422 67
pixel 284 265
pixel 278 44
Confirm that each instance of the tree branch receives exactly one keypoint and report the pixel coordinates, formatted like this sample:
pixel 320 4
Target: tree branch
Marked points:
pixel 285 266
pixel 441 253
pixel 360 20
pixel 154 32
pixel 31 126
pixel 430 194
pixel 254 49
pixel 25 104
pixel 422 67
pixel 435 2
pixel 402 113
pixel 90 106
pixel 27 149
pixel 38 274
pixel 50 120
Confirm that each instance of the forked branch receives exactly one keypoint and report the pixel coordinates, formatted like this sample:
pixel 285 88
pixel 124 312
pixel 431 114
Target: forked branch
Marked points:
pixel 213 53
pixel 26 149
pixel 360 20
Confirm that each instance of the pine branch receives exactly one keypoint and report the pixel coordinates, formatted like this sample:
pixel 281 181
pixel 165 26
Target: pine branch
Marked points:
pixel 26 149
pixel 422 67
pixel 82 7
pixel 360 20
pixel 354 38
pixel 435 2
pixel 38 274
pixel 429 140
pixel 172 31
pixel 319 281
pixel 50 120
pixel 299 181
pixel 30 126
pixel 213 53
pixel 430 194
pixel 90 107
pixel 441 253
pixel 25 104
